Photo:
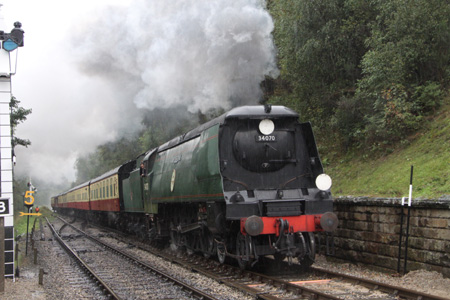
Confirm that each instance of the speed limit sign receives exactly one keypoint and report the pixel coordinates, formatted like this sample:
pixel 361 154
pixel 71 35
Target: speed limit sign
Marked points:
pixel 4 206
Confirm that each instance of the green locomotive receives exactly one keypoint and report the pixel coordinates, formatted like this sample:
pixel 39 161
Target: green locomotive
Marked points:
pixel 247 184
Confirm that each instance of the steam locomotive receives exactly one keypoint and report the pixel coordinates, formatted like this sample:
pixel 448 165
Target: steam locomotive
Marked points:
pixel 245 185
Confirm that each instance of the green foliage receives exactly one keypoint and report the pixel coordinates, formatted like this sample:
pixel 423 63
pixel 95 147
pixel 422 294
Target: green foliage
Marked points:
pixel 162 125
pixel 409 43
pixel 347 120
pixel 105 158
pixel 427 97
pixel 367 70
pixel 388 176
pixel 320 47
pixel 20 185
pixel 18 115
pixel 20 223
pixel 404 67
pixel 394 116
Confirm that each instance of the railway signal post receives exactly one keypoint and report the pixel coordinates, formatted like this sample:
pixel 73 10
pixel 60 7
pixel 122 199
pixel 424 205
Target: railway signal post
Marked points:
pixel 28 202
pixel 9 43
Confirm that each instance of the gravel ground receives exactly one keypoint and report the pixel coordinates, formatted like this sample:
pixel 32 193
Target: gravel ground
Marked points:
pixel 56 281
pixel 63 280
pixel 27 285
pixel 424 281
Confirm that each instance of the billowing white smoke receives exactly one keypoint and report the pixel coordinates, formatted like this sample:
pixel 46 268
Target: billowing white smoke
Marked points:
pixel 197 53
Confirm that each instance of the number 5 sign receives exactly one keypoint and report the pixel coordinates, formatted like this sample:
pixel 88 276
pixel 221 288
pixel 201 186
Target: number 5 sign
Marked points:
pixel 29 199
pixel 4 206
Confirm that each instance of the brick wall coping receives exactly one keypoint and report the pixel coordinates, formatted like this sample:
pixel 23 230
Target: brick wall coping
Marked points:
pixel 441 203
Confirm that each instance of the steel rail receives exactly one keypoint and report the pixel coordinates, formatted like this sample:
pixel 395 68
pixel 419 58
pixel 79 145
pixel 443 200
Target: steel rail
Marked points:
pixel 278 283
pixel 235 277
pixel 193 291
pixel 107 290
pixel 384 287
pixel 404 293
pixel 285 285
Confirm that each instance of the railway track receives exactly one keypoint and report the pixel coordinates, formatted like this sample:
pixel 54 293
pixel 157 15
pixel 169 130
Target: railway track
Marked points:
pixel 83 287
pixel 317 284
pixel 322 284
pixel 122 276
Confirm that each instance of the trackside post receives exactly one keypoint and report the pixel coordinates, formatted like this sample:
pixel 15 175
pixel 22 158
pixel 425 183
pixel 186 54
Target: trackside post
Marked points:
pixel 407 227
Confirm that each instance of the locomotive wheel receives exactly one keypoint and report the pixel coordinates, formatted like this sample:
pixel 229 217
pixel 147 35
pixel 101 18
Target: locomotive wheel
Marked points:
pixel 309 255
pixel 243 249
pixel 221 253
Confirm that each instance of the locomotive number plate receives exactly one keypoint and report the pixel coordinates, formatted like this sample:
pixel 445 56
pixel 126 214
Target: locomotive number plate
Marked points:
pixel 265 138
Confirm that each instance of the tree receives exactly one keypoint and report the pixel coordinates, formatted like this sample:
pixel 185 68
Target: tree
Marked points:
pixel 320 45
pixel 406 68
pixel 18 115
pixel 366 72
pixel 106 157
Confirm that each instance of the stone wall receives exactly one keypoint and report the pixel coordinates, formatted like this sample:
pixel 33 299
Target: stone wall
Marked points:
pixel 369 230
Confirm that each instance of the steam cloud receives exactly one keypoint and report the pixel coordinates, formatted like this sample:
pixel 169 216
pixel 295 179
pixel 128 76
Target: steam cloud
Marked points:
pixel 201 54
pixel 138 55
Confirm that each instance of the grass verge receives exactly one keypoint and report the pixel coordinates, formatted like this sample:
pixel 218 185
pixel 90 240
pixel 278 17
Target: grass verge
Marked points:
pixel 389 176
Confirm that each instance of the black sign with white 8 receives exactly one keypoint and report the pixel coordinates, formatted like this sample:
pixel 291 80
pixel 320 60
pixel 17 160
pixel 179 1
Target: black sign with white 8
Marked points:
pixel 4 206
